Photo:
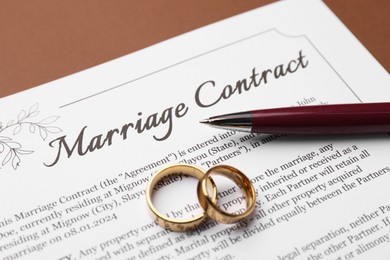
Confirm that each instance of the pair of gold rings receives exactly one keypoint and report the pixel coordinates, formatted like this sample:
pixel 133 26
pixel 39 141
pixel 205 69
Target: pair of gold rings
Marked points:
pixel 208 202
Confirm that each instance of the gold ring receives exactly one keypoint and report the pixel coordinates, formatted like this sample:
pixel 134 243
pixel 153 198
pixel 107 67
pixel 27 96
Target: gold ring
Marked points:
pixel 211 208
pixel 170 223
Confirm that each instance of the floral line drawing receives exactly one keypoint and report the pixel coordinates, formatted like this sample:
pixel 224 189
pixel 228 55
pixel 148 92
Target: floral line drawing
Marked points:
pixel 13 150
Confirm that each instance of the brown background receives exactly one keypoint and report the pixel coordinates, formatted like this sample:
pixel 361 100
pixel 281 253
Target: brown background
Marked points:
pixel 42 40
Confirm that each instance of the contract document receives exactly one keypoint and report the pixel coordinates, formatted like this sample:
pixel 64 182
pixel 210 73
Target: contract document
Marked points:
pixel 76 154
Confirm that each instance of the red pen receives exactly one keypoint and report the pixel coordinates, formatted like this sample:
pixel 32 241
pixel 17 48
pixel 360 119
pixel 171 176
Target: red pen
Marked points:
pixel 319 119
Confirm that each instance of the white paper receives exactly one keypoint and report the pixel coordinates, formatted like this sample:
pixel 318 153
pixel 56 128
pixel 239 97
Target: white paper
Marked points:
pixel 75 164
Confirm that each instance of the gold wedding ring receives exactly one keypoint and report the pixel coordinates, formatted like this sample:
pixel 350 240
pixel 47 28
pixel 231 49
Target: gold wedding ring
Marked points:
pixel 170 223
pixel 209 205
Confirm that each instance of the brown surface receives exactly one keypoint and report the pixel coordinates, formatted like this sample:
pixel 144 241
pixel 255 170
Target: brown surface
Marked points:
pixel 43 40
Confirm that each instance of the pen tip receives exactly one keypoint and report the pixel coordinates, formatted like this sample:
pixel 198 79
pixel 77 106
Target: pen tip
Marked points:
pixel 204 121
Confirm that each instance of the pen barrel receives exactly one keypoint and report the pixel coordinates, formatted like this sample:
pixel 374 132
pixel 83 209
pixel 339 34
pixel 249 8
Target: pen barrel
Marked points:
pixel 323 119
